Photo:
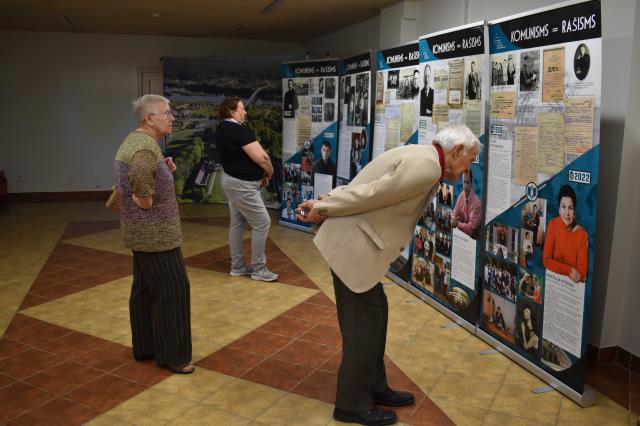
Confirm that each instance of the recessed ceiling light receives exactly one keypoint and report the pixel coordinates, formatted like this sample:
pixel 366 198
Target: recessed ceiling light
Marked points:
pixel 155 15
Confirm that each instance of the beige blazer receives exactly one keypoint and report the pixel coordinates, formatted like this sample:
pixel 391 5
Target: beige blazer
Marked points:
pixel 373 218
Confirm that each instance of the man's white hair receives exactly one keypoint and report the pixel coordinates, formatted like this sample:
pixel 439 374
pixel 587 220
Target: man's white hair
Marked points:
pixel 451 136
pixel 144 105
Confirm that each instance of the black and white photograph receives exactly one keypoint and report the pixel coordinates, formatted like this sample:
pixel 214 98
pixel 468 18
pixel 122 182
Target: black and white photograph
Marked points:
pixel 393 79
pixel 581 61
pixel 409 86
pixel 503 70
pixel 330 88
pixel 445 194
pixel 426 94
pixel 529 71
pixel 329 111
pixel 320 86
pixel 473 79
pixel 443 243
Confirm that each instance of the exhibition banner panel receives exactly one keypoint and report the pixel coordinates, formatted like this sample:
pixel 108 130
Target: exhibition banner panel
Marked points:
pixel 354 140
pixel 196 87
pixel 309 134
pixel 396 116
pixel 542 185
pixel 447 240
pixel 396 105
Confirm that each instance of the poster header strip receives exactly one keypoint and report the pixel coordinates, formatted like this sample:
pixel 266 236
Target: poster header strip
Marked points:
pixel 398 57
pixel 311 69
pixel 455 44
pixel 539 10
pixel 356 64
pixel 454 29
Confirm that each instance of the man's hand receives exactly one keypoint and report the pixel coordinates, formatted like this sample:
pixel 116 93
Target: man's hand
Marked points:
pixel 454 221
pixel 265 182
pixel 305 213
pixel 170 164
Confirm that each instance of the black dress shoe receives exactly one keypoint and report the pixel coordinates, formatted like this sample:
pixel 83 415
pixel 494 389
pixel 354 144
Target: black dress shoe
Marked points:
pixel 394 398
pixel 372 417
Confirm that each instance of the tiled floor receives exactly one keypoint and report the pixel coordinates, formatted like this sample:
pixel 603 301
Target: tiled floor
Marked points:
pixel 266 353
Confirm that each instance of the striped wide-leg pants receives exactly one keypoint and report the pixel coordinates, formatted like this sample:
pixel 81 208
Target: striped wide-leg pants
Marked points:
pixel 160 308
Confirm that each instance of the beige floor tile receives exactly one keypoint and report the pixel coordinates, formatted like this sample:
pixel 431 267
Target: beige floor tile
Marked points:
pixel 518 400
pixel 517 375
pixel 110 240
pixel 456 387
pixel 296 410
pixel 244 398
pixel 483 366
pixel 461 413
pixel 197 386
pixel 152 407
pixel 501 419
pixel 425 371
pixel 201 415
pixel 603 413
pixel 108 419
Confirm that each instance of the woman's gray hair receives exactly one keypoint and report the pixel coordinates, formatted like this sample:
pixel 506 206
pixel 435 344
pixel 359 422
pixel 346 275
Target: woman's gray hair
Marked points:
pixel 143 105
pixel 451 136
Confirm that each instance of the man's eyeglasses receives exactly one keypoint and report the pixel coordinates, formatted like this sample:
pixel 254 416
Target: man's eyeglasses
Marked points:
pixel 166 113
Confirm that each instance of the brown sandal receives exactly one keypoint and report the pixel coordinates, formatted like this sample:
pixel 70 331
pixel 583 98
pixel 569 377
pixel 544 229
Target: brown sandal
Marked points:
pixel 186 368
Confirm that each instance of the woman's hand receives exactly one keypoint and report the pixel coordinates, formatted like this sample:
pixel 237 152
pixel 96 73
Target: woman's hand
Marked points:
pixel 575 275
pixel 265 182
pixel 170 164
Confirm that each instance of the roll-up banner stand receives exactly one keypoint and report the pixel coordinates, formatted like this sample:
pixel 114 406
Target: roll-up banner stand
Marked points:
pixel 309 134
pixel 396 117
pixel 445 257
pixel 542 190
pixel 354 141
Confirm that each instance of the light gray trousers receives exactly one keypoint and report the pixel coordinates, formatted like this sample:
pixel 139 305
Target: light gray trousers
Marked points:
pixel 246 208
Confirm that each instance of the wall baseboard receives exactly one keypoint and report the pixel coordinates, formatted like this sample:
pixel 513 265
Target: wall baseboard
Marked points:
pixel 34 197
pixel 614 355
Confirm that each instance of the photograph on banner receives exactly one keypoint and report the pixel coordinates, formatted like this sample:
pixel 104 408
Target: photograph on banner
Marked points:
pixel 397 109
pixel 499 316
pixel 196 87
pixel 309 132
pixel 542 179
pixel 354 141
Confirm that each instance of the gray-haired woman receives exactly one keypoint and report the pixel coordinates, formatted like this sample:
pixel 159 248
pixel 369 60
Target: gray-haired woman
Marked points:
pixel 159 305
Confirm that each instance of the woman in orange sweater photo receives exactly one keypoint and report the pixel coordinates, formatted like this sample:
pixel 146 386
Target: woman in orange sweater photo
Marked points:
pixel 566 246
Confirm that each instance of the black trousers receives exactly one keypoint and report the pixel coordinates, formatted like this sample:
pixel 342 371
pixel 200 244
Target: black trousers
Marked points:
pixel 160 308
pixel 363 323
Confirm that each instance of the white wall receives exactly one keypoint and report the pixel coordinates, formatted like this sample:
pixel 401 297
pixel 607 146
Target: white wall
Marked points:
pixel 623 304
pixel 66 100
pixel 349 41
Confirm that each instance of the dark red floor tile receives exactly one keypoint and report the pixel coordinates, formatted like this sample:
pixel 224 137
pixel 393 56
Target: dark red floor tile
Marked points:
pixel 320 299
pixel 105 393
pixel 41 283
pixel 58 275
pixel 86 281
pixel 320 385
pixel 306 353
pixel 260 342
pixel 21 321
pixel 80 229
pixel 309 312
pixel 10 347
pixel 287 326
pixel 333 364
pixel 72 344
pixel 31 300
pixel 38 334
pixel 55 292
pixel 106 357
pixel 64 377
pixel 324 334
pixel 147 373
pixel 277 374
pixel 18 398
pixel 304 282
pixel 28 363
pixel 405 413
pixel 607 372
pixel 232 362
pixel 429 414
pixel 59 412
pixel 331 320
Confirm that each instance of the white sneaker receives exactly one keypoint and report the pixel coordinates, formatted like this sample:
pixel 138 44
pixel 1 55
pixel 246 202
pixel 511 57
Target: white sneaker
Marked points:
pixel 264 275
pixel 244 271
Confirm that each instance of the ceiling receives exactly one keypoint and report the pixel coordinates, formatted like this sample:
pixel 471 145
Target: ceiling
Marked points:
pixel 285 20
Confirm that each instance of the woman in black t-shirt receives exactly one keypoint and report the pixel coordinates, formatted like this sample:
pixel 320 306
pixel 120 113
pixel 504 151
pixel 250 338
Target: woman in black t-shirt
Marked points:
pixel 247 169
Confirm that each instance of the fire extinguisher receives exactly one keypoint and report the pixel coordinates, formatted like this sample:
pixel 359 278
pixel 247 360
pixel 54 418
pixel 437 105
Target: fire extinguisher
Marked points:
pixel 4 194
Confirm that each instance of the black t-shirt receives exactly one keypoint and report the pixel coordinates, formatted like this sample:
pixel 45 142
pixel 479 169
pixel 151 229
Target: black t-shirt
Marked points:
pixel 230 138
